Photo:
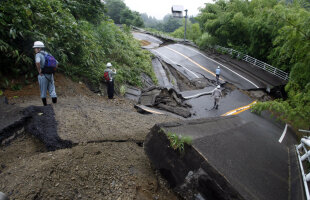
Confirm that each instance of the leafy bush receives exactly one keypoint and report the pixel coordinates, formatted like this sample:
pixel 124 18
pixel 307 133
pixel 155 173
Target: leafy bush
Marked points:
pixel 206 40
pixel 76 33
pixel 177 142
pixel 122 90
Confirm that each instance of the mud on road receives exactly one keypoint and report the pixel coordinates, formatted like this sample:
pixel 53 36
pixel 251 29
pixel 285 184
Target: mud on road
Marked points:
pixel 106 162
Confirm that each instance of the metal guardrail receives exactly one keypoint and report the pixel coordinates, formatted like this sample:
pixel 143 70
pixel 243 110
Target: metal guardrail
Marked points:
pixel 302 148
pixel 273 70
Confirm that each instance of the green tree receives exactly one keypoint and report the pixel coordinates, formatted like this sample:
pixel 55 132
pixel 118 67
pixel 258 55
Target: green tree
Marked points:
pixel 171 24
pixel 131 18
pixel 114 9
pixel 121 14
pixel 89 10
pixel 193 31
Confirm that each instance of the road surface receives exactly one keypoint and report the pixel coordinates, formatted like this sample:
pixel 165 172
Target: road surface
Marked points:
pixel 194 64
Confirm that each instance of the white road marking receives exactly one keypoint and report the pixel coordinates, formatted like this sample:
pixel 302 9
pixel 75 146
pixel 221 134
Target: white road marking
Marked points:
pixel 283 134
pixel 220 64
pixel 197 95
pixel 176 63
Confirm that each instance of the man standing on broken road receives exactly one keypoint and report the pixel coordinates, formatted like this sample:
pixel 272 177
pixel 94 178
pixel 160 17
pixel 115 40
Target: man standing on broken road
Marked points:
pixel 45 70
pixel 217 73
pixel 217 93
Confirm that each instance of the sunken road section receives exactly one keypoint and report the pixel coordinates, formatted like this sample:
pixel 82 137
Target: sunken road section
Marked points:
pixel 36 120
pixel 228 159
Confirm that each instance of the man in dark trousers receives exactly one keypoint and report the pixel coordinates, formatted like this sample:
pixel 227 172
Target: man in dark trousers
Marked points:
pixel 218 72
pixel 109 77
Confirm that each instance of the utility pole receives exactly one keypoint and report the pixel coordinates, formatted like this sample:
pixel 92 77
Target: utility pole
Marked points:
pixel 185 24
pixel 177 11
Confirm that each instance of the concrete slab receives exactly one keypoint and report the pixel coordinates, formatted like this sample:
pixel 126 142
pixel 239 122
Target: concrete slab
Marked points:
pixel 148 110
pixel 148 98
pixel 228 159
pixel 133 93
pixel 145 109
pixel 161 75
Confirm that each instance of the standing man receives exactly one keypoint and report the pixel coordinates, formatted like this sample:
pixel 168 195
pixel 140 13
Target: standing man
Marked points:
pixel 217 93
pixel 109 77
pixel 217 72
pixel 45 77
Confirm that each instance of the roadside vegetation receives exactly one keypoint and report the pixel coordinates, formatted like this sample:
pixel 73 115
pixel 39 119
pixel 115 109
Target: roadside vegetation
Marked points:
pixel 78 33
pixel 177 142
pixel 274 31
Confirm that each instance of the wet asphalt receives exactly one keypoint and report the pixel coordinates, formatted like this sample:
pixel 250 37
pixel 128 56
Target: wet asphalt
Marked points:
pixel 250 155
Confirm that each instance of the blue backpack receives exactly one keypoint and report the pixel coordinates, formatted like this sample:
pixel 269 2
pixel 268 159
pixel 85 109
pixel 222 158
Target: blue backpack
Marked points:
pixel 50 64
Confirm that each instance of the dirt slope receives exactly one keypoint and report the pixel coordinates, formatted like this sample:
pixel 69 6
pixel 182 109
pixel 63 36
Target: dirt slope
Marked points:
pixel 107 162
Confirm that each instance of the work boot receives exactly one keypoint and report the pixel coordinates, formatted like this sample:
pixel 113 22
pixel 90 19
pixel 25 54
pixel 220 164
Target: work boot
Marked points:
pixel 54 99
pixel 44 101
pixel 217 106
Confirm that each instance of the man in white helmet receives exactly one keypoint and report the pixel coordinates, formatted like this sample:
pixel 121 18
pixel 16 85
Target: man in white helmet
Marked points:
pixel 217 93
pixel 109 77
pixel 217 73
pixel 46 80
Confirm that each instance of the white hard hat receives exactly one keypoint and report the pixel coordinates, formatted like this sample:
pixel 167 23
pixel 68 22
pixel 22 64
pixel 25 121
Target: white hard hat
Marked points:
pixel 218 87
pixel 109 64
pixel 218 67
pixel 38 44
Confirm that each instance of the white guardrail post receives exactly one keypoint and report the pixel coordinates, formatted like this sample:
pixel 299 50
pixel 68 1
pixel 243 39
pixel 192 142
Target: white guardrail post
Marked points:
pixel 304 155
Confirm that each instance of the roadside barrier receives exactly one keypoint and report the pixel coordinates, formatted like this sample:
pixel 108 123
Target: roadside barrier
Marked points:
pixel 273 70
pixel 304 155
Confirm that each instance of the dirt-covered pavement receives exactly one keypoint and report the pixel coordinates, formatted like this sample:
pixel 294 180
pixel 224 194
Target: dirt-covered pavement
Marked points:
pixel 106 162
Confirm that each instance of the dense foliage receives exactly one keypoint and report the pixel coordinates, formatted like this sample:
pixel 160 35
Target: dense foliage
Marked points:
pixel 274 31
pixel 76 32
pixel 168 24
pixel 193 31
pixel 121 14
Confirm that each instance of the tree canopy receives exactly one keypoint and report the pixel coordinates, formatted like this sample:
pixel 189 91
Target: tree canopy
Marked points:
pixel 274 31
pixel 121 14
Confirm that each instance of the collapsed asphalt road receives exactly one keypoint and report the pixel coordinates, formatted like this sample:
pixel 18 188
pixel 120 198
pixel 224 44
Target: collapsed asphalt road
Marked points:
pixel 250 160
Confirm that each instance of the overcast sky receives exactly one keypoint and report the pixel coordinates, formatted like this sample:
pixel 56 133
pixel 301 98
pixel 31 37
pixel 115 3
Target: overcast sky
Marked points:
pixel 159 8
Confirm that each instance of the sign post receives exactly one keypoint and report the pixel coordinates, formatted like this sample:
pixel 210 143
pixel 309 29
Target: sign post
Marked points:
pixel 177 12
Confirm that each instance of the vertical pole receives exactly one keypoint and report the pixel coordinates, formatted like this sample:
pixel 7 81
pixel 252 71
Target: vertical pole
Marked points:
pixel 185 24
